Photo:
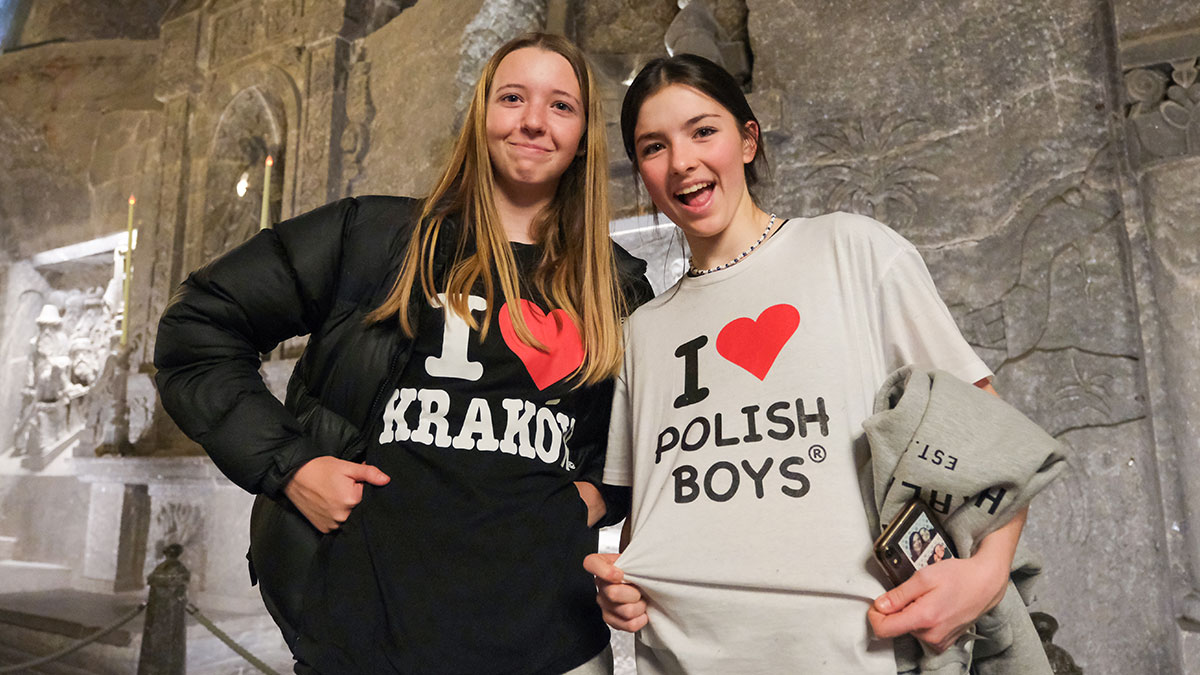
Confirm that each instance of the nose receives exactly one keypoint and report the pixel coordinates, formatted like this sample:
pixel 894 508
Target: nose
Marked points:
pixel 533 121
pixel 683 159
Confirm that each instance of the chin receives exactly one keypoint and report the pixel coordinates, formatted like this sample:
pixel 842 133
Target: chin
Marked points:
pixel 694 225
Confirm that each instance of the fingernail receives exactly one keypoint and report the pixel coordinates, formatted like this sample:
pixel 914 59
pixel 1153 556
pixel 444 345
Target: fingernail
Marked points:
pixel 884 603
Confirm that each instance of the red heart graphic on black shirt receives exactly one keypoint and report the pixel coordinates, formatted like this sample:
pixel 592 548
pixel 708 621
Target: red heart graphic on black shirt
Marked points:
pixel 556 331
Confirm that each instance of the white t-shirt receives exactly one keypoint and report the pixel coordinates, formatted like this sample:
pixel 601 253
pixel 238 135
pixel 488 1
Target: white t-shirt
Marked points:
pixel 738 421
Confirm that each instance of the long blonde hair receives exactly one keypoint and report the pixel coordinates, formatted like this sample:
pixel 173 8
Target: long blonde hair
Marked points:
pixel 576 272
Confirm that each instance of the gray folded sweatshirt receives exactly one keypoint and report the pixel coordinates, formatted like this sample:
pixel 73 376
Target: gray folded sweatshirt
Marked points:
pixel 976 461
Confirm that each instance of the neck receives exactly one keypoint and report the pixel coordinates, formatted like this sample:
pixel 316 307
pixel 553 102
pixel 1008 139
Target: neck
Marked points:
pixel 518 211
pixel 744 229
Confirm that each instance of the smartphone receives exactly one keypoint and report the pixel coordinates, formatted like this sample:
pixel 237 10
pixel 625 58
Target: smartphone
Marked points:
pixel 914 540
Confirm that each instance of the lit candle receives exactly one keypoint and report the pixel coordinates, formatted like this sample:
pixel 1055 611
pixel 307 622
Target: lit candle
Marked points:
pixel 264 221
pixel 128 273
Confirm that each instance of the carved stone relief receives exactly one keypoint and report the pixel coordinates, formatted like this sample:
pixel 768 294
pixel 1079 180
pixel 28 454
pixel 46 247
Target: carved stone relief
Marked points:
pixel 166 259
pixel 65 390
pixel 868 167
pixel 279 17
pixel 360 111
pixel 1164 114
pixel 1071 279
pixel 233 34
pixel 178 519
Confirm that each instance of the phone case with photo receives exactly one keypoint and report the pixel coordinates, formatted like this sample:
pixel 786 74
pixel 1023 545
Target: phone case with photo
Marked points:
pixel 914 540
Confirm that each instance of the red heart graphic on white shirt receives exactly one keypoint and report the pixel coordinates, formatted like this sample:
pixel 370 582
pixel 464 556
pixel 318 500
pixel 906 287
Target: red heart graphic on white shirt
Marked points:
pixel 754 344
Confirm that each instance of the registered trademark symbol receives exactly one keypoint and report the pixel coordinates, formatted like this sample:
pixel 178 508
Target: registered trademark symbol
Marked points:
pixel 816 453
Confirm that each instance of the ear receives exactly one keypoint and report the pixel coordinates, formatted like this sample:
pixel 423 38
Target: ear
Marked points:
pixel 749 141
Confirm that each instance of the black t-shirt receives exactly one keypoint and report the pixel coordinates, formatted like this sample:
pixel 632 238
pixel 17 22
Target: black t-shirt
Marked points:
pixel 470 559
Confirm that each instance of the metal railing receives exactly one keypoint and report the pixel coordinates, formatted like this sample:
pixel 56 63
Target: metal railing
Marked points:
pixel 164 634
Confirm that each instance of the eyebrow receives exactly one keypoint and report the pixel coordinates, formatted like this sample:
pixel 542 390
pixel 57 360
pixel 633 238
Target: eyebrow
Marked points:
pixel 558 92
pixel 690 122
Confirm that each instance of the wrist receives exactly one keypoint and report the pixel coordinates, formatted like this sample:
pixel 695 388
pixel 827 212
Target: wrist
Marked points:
pixel 994 571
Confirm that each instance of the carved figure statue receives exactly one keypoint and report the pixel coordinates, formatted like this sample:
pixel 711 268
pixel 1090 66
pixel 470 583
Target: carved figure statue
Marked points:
pixel 67 359
pixel 50 363
pixel 43 411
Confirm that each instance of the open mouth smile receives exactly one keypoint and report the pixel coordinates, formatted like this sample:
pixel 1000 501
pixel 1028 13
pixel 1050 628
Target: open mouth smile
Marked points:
pixel 697 195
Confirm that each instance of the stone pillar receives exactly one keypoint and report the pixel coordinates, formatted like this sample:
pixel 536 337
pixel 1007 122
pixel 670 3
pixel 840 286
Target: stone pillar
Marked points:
pixel 166 237
pixel 118 516
pixel 161 245
pixel 324 120
pixel 1157 96
pixel 1172 211
pixel 1159 131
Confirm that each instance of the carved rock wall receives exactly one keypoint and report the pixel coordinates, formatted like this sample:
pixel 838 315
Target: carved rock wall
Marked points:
pixel 1138 18
pixel 71 114
pixel 1158 95
pixel 409 96
pixel 636 27
pixel 73 21
pixel 982 134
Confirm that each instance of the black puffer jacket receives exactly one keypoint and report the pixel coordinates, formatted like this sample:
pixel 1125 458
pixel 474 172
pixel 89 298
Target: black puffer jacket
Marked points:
pixel 317 274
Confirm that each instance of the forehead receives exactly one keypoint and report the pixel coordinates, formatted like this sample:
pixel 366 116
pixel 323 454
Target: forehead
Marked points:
pixel 533 67
pixel 672 107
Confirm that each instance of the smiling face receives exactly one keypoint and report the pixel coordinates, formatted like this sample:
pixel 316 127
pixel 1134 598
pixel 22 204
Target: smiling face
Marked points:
pixel 691 154
pixel 535 120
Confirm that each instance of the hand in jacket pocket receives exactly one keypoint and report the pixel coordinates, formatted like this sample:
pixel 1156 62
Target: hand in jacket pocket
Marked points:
pixel 596 508
pixel 326 489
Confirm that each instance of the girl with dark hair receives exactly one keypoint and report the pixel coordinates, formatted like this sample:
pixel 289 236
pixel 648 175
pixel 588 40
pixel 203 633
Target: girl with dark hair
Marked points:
pixel 737 418
pixel 429 489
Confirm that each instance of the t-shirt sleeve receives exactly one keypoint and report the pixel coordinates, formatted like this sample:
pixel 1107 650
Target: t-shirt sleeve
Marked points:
pixel 916 327
pixel 618 465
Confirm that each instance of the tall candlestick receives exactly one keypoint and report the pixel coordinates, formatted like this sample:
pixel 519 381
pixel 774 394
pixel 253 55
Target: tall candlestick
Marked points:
pixel 128 274
pixel 264 221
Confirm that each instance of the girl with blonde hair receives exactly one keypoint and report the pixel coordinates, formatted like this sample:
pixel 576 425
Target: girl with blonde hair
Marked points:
pixel 429 489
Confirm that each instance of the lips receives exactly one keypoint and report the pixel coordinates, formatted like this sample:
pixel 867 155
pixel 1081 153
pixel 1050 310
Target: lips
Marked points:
pixel 529 147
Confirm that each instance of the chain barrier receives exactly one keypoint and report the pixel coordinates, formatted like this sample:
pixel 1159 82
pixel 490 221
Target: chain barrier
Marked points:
pixel 164 635
pixel 229 642
pixel 77 646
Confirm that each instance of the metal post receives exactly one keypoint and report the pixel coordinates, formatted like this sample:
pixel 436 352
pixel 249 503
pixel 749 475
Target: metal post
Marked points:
pixel 164 639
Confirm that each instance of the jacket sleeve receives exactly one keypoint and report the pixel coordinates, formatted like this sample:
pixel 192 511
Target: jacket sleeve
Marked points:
pixel 277 285
pixel 635 288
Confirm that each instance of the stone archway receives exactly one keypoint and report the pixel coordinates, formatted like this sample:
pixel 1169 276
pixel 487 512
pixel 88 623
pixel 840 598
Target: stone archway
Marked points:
pixel 251 127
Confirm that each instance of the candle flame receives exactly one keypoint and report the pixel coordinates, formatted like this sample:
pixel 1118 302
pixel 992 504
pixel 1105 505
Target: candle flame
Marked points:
pixel 132 200
pixel 270 161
